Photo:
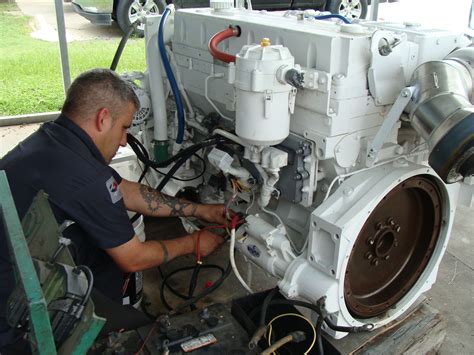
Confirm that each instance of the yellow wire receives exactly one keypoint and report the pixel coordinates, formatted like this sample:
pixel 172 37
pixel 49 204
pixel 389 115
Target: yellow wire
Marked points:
pixel 270 328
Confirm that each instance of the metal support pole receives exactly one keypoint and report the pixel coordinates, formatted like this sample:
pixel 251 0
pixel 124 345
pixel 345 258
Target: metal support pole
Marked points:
pixel 374 10
pixel 58 4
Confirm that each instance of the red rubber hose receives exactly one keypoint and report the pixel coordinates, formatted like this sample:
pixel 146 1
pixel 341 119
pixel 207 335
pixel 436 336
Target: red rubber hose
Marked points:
pixel 218 38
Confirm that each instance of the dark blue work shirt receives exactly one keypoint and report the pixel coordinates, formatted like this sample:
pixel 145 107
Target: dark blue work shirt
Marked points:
pixel 61 159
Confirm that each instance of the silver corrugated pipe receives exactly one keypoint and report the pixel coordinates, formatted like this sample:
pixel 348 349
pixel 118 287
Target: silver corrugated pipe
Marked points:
pixel 441 111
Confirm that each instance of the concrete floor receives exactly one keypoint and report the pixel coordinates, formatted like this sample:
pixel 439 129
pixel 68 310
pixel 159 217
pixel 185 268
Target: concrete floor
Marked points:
pixel 453 292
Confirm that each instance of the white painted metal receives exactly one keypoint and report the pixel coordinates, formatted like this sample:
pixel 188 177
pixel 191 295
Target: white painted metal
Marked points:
pixel 334 226
pixel 355 78
pixel 263 103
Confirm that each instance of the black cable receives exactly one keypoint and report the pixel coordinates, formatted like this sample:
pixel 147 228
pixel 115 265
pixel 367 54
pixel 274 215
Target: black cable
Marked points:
pixel 140 150
pixel 339 328
pixel 90 282
pixel 319 336
pixel 170 288
pixel 142 175
pixel 266 303
pixel 186 154
pixel 361 329
pixel 164 283
pixel 207 291
pixel 180 159
pixel 193 283
pixel 121 46
pixel 201 173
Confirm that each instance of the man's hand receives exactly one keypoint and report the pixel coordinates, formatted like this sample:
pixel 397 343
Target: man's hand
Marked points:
pixel 212 213
pixel 208 242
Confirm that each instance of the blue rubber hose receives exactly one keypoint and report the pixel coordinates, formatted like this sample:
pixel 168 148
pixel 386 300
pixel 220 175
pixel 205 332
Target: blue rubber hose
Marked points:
pixel 325 17
pixel 171 78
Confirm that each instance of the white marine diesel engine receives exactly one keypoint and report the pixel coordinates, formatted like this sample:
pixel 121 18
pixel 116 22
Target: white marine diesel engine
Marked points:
pixel 350 142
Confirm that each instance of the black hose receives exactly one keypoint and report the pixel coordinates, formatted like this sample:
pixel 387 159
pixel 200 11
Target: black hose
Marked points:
pixel 121 46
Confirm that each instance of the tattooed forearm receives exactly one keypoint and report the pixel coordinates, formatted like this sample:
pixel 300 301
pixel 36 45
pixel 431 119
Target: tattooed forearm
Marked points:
pixel 153 198
pixel 178 208
pixel 172 207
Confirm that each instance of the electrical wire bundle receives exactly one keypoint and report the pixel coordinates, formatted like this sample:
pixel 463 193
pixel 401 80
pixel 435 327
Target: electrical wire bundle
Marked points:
pixel 178 160
pixel 196 270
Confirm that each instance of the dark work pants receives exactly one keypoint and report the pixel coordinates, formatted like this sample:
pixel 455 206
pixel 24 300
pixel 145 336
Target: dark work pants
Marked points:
pixel 118 316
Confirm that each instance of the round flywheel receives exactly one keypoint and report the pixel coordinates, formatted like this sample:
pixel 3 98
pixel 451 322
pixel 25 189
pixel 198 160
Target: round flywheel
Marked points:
pixel 393 247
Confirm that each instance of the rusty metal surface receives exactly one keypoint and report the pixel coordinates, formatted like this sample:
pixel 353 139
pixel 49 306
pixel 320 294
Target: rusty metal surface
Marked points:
pixel 393 247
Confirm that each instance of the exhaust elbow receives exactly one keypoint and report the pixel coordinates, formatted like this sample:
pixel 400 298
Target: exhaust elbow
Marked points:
pixel 441 111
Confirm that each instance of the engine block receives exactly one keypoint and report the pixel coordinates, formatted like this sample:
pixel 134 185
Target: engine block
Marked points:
pixel 351 141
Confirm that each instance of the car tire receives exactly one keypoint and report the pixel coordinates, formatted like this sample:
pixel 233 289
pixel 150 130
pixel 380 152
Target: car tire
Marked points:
pixel 130 11
pixel 351 9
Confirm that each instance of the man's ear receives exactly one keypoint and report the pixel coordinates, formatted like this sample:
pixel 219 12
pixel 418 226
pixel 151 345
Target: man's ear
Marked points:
pixel 103 119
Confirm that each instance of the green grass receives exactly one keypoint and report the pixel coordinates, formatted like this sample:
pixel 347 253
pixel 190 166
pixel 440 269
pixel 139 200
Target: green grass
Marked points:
pixel 30 69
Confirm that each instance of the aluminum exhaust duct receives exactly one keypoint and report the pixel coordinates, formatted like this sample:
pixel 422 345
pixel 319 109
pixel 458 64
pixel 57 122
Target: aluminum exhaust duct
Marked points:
pixel 441 111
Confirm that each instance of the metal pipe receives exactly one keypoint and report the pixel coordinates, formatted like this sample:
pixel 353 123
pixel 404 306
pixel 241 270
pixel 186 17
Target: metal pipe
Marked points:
pixel 440 111
pixel 58 5
pixel 27 119
pixel 157 90
pixel 374 10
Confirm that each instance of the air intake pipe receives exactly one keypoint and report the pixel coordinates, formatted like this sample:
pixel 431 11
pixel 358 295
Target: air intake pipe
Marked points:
pixel 441 111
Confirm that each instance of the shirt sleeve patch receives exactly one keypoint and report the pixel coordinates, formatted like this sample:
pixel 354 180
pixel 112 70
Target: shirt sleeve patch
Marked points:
pixel 113 189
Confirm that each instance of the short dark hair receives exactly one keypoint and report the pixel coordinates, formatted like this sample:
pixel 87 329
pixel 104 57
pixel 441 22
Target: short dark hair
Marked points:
pixel 95 89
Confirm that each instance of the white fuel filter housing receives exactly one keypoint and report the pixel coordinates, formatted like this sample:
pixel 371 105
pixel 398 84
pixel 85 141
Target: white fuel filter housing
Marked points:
pixel 263 102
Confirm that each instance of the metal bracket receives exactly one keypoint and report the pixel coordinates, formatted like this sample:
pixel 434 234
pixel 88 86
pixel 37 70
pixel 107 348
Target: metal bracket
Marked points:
pixel 392 117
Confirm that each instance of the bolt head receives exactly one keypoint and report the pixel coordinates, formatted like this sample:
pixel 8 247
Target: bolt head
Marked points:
pixel 398 228
pixel 371 241
pixel 378 226
pixel 369 255
pixel 375 262
pixel 387 257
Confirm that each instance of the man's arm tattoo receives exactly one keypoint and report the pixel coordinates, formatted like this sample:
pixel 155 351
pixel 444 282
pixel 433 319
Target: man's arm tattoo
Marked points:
pixel 178 207
pixel 153 199
pixel 156 200
pixel 165 251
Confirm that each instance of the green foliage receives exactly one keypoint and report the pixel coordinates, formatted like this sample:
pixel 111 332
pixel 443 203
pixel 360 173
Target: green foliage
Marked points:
pixel 30 69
